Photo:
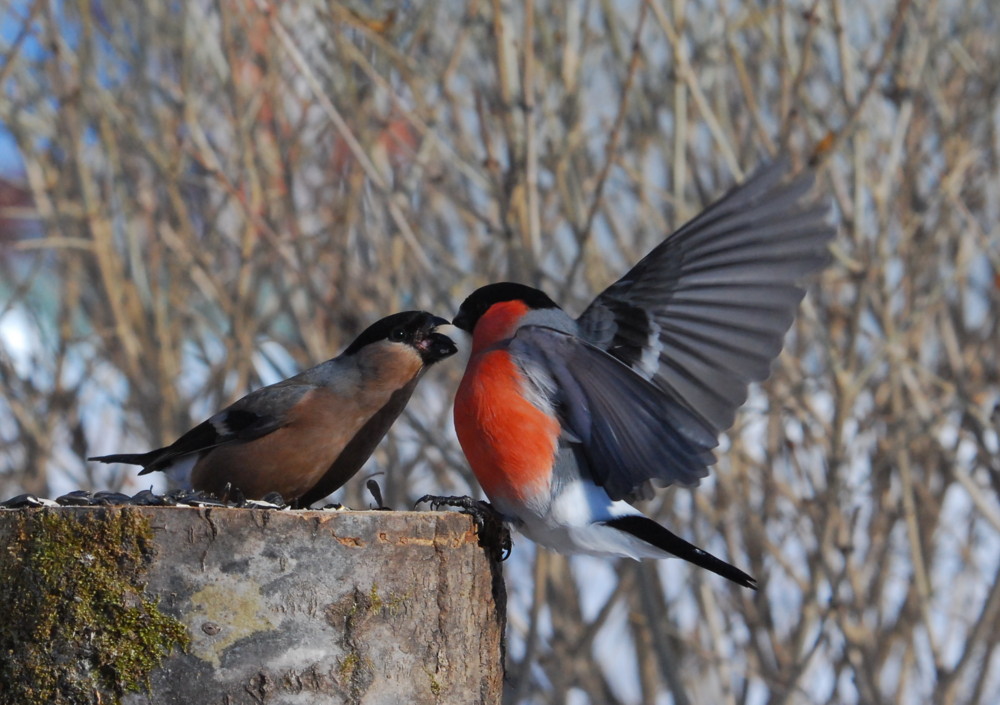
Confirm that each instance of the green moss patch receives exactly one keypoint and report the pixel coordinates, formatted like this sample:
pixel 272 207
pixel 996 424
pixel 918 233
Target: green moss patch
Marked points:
pixel 75 624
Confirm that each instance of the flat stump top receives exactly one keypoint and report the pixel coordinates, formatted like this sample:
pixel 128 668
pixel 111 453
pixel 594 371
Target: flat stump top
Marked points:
pixel 276 606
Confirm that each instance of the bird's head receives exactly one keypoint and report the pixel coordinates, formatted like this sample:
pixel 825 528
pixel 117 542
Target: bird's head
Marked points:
pixel 416 329
pixel 522 298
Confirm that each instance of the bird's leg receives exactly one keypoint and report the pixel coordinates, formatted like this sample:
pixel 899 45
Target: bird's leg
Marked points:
pixel 275 498
pixel 493 532
pixel 232 495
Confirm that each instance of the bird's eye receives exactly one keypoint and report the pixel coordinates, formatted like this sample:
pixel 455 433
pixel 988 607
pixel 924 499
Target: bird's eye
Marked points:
pixel 397 334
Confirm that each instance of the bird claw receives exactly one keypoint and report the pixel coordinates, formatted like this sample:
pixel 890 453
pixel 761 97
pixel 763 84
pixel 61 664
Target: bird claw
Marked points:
pixel 276 499
pixel 232 494
pixel 493 532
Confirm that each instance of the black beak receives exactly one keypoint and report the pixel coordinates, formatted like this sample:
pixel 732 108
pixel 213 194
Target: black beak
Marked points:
pixel 462 321
pixel 434 346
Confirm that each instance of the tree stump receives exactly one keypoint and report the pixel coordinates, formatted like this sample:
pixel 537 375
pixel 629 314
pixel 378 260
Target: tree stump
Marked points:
pixel 230 606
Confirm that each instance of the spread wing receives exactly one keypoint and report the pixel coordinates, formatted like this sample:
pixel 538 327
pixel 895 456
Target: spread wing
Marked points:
pixel 706 311
pixel 626 430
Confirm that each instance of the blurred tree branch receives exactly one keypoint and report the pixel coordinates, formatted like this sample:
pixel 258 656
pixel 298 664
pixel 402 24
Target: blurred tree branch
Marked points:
pixel 223 193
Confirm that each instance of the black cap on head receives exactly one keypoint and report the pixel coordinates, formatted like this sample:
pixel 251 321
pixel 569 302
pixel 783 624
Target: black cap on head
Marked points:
pixel 479 302
pixel 410 327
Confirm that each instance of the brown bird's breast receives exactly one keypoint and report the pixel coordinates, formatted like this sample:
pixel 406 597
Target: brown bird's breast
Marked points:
pixel 302 459
pixel 292 459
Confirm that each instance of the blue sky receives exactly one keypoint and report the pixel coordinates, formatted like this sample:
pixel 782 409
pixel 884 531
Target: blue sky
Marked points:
pixel 10 158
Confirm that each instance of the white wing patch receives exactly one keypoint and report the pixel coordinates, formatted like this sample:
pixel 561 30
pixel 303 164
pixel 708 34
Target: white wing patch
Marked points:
pixel 649 363
pixel 220 425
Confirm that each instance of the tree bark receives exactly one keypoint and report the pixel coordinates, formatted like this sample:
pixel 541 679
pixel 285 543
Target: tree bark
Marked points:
pixel 250 606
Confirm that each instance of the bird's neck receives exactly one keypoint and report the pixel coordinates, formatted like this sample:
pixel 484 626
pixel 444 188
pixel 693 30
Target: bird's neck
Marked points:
pixel 498 323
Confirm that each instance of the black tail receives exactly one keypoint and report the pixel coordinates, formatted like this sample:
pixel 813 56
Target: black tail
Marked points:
pixel 143 459
pixel 649 531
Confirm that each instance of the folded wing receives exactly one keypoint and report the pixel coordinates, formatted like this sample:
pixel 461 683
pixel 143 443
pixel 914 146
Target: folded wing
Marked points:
pixel 624 429
pixel 254 416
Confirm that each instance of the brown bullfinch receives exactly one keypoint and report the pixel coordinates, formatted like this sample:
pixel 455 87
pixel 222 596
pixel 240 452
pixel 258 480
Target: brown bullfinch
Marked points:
pixel 306 436
pixel 565 421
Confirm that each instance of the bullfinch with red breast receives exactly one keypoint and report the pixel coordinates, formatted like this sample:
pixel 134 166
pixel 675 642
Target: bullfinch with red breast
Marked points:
pixel 565 421
pixel 306 436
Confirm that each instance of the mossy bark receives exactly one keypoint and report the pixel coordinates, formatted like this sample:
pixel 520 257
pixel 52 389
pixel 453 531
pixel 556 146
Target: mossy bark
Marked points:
pixel 229 606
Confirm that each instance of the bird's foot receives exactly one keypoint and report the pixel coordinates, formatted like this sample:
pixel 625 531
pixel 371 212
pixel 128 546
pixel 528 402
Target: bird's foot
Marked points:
pixel 234 495
pixel 494 535
pixel 274 498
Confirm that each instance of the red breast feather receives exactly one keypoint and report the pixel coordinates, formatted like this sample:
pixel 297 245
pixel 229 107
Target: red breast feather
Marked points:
pixel 510 443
